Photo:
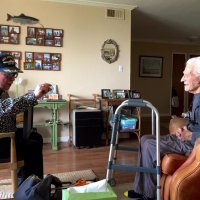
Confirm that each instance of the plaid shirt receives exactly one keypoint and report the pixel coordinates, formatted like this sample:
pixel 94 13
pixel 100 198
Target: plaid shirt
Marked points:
pixel 9 108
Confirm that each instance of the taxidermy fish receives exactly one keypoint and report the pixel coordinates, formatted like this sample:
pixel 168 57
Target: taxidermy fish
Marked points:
pixel 22 19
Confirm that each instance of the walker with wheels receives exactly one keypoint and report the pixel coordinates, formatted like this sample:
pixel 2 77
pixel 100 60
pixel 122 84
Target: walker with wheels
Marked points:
pixel 114 147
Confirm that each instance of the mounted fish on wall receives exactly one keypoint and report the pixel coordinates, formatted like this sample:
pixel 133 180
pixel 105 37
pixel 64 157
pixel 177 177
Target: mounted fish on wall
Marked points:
pixel 23 19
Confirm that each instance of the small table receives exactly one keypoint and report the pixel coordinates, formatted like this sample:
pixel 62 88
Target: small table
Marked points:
pixel 54 106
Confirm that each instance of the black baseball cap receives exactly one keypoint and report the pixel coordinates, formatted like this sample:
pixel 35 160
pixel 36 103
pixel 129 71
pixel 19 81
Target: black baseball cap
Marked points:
pixel 8 64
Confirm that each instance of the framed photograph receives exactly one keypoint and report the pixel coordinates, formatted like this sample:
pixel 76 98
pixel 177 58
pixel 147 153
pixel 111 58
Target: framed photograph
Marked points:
pixel 56 66
pixel 38 56
pixel 4 30
pixel 46 66
pixel 47 58
pixel 118 94
pixel 40 31
pixel 56 56
pixel 57 41
pixel 40 40
pixel 105 93
pixel 30 31
pixel 17 61
pixel 58 32
pixel 49 43
pixel 14 38
pixel 14 29
pixel 49 33
pixel 29 56
pixel 31 41
pixel 38 64
pixel 16 54
pixel 150 66
pixel 29 66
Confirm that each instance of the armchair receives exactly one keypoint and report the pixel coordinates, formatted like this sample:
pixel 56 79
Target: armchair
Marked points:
pixel 181 174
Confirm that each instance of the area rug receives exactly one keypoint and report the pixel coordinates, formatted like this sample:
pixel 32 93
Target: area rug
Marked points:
pixel 119 189
pixel 5 185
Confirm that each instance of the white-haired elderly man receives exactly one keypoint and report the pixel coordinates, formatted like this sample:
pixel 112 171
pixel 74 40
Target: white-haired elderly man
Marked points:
pixel 182 142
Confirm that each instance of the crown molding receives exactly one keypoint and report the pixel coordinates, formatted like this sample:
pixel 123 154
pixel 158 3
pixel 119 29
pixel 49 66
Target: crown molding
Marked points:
pixel 95 3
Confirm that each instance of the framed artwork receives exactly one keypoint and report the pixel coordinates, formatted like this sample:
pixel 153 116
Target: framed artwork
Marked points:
pixel 40 40
pixel 38 64
pixel 44 37
pixel 17 56
pixel 119 94
pixel 9 34
pixel 30 31
pixel 42 61
pixel 150 66
pixel 105 93
pixel 29 66
pixel 29 56
pixel 31 41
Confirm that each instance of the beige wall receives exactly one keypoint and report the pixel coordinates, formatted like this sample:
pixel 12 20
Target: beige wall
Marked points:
pixel 83 71
pixel 157 90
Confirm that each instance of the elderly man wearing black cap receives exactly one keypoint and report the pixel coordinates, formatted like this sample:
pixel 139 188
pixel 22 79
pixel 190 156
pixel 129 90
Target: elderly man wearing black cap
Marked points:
pixel 31 149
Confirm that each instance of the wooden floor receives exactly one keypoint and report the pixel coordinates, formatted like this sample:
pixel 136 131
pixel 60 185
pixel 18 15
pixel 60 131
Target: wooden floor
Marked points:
pixel 68 159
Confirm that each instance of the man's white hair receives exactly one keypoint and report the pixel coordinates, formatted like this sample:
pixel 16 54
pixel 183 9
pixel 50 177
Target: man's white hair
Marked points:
pixel 196 64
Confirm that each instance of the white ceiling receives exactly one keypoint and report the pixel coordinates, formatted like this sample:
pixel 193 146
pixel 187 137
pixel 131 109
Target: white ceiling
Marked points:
pixel 158 20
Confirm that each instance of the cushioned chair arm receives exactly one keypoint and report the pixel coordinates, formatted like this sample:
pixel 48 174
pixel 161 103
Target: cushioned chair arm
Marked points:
pixel 171 162
pixel 186 180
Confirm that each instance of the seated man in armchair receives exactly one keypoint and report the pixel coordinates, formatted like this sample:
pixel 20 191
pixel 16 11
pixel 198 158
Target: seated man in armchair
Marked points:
pixel 181 142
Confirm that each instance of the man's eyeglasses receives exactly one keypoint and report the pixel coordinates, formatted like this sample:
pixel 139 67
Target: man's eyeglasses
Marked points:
pixel 11 75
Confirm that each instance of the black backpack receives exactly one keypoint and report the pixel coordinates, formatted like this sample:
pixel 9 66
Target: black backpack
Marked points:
pixel 34 188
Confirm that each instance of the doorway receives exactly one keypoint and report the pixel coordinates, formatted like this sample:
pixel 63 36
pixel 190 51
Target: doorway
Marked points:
pixel 178 89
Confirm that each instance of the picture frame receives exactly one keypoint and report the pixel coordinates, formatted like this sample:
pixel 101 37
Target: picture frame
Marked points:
pixel 150 66
pixel 14 38
pixel 30 31
pixel 118 94
pixel 4 30
pixel 17 56
pixel 9 34
pixel 105 93
pixel 42 61
pixel 14 29
pixel 29 66
pixel 44 37
pixel 29 56
pixel 38 64
pixel 31 41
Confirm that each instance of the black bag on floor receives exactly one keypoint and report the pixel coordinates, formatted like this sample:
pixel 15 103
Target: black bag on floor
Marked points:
pixel 34 188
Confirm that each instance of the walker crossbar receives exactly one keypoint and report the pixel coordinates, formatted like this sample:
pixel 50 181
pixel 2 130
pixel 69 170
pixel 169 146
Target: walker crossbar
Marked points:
pixel 114 143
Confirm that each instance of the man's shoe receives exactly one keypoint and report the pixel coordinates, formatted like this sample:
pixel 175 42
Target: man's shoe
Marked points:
pixel 133 195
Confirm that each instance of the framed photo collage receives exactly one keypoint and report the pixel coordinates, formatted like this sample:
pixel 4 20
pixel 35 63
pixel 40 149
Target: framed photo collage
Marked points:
pixel 35 36
pixel 44 37
pixel 42 61
pixel 17 55
pixel 9 34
